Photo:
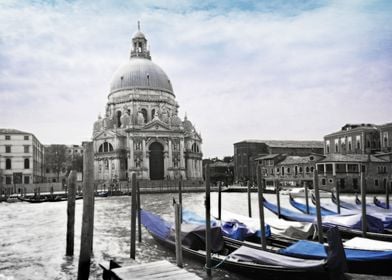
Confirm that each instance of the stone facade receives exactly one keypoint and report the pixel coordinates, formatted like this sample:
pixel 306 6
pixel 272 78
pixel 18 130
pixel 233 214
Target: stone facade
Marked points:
pixel 21 158
pixel 246 152
pixel 289 170
pixel 141 131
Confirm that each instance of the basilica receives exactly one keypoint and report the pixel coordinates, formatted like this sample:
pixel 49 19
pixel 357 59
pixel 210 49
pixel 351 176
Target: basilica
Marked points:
pixel 141 131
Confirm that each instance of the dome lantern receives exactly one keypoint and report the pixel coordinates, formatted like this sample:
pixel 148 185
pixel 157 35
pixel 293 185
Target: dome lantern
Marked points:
pixel 139 44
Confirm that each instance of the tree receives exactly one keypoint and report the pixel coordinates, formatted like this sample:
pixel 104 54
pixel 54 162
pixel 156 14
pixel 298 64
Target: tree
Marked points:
pixel 56 158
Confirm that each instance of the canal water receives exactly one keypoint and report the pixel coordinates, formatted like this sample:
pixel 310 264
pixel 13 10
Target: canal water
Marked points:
pixel 32 236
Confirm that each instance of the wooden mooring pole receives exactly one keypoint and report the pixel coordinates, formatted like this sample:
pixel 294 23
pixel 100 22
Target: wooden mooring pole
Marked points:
pixel 387 192
pixel 277 190
pixel 86 239
pixel 337 195
pixel 363 202
pixel 139 207
pixel 180 184
pixel 318 208
pixel 133 216
pixel 208 220
pixel 249 201
pixel 177 217
pixel 219 201
pixel 306 196
pixel 71 213
pixel 1 187
pixel 261 208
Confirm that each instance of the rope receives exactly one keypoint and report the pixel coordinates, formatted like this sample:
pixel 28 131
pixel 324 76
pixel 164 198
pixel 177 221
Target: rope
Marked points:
pixel 218 265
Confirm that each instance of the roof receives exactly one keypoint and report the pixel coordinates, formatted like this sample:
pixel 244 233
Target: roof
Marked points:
pixel 271 156
pixel 12 131
pixel 288 143
pixel 140 73
pixel 296 160
pixel 351 158
pixel 355 128
pixel 221 164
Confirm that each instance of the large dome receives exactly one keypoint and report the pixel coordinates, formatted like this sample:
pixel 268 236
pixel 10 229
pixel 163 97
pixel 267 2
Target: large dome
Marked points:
pixel 140 73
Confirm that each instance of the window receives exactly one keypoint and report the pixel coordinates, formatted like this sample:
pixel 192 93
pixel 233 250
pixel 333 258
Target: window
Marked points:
pixel 327 146
pixel 358 142
pixel 27 163
pixel 27 149
pixel 385 139
pixel 307 169
pixel 8 149
pixel 105 147
pixel 26 137
pixel 144 112
pixel 355 183
pixel 8 180
pixel 343 144
pixel 47 170
pixel 118 118
pixel 26 179
pixel 8 163
pixel 152 113
pixel 8 137
pixel 323 181
pixel 336 145
pixel 376 182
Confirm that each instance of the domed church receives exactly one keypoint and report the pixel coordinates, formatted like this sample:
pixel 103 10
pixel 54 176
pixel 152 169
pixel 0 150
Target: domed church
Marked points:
pixel 141 131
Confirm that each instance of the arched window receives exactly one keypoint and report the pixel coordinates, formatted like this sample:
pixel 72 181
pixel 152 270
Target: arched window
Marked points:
pixel 105 147
pixel 152 113
pixel 8 163
pixel 118 118
pixel 27 163
pixel 144 112
pixel 195 148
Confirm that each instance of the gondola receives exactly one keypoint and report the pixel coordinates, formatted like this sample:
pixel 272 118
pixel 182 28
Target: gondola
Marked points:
pixel 385 216
pixel 380 203
pixel 46 199
pixel 245 260
pixel 373 208
pixel 373 258
pixel 349 225
pixel 312 210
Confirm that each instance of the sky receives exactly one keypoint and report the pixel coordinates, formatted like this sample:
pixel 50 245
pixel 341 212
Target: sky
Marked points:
pixel 240 69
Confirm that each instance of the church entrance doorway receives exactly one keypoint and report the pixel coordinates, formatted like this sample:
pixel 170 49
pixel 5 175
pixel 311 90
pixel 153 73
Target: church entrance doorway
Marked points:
pixel 156 161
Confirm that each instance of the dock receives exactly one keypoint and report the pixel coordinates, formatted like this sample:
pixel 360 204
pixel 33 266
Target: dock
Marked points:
pixel 154 270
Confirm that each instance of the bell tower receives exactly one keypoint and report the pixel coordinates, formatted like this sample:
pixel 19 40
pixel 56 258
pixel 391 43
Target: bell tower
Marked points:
pixel 139 44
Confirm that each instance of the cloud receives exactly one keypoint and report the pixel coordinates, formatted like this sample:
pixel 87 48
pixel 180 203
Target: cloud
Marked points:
pixel 265 70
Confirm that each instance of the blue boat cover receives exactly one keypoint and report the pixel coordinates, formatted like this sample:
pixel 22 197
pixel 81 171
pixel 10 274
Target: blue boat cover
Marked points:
pixel 231 228
pixel 247 254
pixel 155 224
pixel 385 217
pixel 192 235
pixel 312 210
pixel 350 221
pixel 288 214
pixel 311 249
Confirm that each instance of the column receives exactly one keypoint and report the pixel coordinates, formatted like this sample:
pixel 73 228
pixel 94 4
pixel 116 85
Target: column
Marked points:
pixel 334 169
pixel 131 161
pixel 182 159
pixel 170 164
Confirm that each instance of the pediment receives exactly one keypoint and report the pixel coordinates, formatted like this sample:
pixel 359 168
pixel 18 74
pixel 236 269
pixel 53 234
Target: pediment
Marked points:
pixel 156 125
pixel 107 134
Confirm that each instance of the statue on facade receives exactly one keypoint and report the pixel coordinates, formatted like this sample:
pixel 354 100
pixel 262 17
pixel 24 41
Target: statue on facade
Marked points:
pixel 98 125
pixel 125 118
pixel 140 118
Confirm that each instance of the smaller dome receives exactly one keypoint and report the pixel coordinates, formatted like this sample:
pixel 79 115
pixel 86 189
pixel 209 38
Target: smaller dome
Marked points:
pixel 139 35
